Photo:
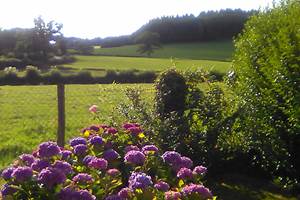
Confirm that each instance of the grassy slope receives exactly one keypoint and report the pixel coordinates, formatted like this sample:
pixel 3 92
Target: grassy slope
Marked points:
pixel 202 51
pixel 98 64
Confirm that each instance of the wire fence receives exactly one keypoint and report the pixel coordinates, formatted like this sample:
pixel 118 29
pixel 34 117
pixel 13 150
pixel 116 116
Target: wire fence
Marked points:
pixel 29 114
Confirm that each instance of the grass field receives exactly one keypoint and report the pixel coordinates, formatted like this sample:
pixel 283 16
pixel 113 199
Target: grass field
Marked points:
pixel 28 114
pixel 221 51
pixel 99 64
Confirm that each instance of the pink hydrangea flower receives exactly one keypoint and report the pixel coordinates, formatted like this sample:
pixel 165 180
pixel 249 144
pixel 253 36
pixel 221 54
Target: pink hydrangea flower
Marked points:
pixel 93 109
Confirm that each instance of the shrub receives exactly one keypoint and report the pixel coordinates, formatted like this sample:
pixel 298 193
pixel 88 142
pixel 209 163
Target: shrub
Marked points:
pixel 6 62
pixel 32 75
pixel 171 90
pixel 10 76
pixel 266 71
pixel 104 163
pixel 207 118
pixel 81 77
pixel 53 77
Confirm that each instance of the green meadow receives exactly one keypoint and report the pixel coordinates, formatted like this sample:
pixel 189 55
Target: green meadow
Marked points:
pixel 97 65
pixel 28 114
pixel 221 50
pixel 207 55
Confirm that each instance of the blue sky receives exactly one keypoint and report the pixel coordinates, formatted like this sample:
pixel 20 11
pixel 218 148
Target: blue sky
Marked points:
pixel 102 18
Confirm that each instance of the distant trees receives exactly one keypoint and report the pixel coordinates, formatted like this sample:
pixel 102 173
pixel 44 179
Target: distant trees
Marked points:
pixel 207 26
pixel 149 42
pixel 37 45
pixel 117 41
pixel 81 46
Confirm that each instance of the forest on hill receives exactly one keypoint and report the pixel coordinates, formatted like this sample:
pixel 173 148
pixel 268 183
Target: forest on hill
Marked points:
pixel 207 26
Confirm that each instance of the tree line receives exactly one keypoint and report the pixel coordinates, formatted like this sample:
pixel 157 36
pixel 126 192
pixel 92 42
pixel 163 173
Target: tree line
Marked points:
pixel 207 26
pixel 42 44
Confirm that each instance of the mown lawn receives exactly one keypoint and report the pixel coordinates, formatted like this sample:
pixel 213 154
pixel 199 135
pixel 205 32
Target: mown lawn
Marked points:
pixel 99 64
pixel 221 50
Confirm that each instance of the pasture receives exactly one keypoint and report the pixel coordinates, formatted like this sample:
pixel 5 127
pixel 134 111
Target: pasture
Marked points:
pixel 97 65
pixel 218 51
pixel 28 114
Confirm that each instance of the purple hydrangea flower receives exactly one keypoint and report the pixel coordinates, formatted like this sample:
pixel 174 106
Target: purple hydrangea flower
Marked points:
pixel 149 148
pixel 94 128
pixel 28 159
pixel 39 165
pixel 113 172
pixel 68 194
pixel 7 190
pixel 139 180
pixel 96 140
pixel 108 145
pixel 77 141
pixel 129 125
pixel 111 130
pixel 135 157
pixel 63 166
pixel 125 193
pixel 98 163
pixel 199 170
pixel 85 195
pixel 131 147
pixel 82 178
pixel 48 149
pixel 66 154
pixel 135 130
pixel 172 195
pixel 204 192
pixel 113 197
pixel 22 174
pixel 162 186
pixel 51 176
pixel 6 173
pixel 87 159
pixel 35 153
pixel 172 157
pixel 110 155
pixel 80 149
pixel 186 162
pixel 185 173
pixel 103 126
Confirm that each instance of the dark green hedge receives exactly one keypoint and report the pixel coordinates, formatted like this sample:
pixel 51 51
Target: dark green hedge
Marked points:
pixel 33 77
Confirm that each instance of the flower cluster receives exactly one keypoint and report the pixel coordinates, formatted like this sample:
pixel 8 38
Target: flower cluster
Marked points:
pixel 104 163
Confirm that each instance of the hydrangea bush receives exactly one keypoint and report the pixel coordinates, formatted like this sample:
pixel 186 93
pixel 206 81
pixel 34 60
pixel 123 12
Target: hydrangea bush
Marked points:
pixel 104 163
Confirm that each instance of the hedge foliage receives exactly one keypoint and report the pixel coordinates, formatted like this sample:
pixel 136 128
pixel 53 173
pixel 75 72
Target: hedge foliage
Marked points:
pixel 266 79
pixel 33 76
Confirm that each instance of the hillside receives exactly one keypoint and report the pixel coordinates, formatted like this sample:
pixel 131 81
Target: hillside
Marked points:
pixel 219 51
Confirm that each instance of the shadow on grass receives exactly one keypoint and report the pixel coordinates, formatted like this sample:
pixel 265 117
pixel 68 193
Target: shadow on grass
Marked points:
pixel 241 187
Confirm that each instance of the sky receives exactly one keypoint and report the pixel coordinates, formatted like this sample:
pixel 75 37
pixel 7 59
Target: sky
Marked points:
pixel 103 18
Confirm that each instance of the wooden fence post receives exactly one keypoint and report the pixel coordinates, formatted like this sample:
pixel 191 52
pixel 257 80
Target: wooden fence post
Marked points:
pixel 61 115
